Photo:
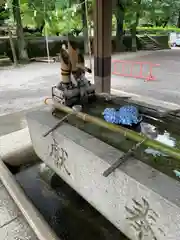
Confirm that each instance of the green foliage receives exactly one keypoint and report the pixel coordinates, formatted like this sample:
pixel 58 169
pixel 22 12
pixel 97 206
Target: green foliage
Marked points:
pixel 113 22
pixel 63 21
pixel 62 4
pixel 64 15
pixel 155 12
pixel 4 13
pixel 59 16
pixel 41 5
pixel 158 29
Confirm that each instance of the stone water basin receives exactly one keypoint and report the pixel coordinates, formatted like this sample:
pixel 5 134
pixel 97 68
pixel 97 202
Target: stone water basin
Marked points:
pixel 160 129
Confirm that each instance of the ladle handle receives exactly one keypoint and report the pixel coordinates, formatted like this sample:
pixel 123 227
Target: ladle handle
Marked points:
pixel 57 125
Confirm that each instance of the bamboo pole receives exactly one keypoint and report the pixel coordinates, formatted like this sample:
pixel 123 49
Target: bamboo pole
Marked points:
pixel 173 152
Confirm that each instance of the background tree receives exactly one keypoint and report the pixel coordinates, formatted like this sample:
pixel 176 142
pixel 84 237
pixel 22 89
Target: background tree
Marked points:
pixel 22 51
pixel 119 10
pixel 60 17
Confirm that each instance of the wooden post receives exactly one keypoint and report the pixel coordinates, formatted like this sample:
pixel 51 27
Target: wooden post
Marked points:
pixel 12 47
pixel 102 44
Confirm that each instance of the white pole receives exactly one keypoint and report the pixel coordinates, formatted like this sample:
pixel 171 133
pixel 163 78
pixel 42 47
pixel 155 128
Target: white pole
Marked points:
pixel 89 42
pixel 46 35
pixel 47 45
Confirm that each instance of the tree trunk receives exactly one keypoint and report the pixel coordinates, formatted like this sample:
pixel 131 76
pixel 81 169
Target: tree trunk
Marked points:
pixel 23 56
pixel 119 26
pixel 133 33
pixel 85 26
pixel 166 22
pixel 133 36
pixel 41 27
pixel 178 22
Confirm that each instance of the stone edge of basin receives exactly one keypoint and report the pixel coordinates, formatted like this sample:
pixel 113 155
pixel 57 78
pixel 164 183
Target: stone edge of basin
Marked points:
pixel 36 221
pixel 16 148
pixel 141 99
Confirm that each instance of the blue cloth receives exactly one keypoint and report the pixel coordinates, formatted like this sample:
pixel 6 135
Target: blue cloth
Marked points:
pixel 126 115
